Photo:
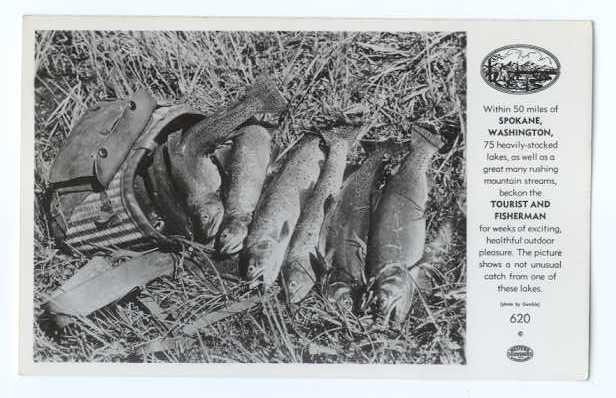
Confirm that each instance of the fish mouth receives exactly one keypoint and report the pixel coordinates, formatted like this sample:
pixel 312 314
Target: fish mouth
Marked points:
pixel 213 226
pixel 254 276
pixel 390 302
pixel 342 294
pixel 391 311
pixel 231 238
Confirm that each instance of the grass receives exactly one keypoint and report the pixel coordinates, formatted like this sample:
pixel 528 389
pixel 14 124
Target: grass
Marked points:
pixel 400 78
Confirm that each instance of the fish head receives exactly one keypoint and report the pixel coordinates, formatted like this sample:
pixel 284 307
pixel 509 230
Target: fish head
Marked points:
pixel 259 259
pixel 392 294
pixel 298 281
pixel 341 294
pixel 262 260
pixel 231 238
pixel 209 218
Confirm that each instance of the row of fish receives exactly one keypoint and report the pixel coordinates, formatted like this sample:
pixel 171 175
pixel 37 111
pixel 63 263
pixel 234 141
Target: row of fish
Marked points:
pixel 185 164
pixel 309 223
pixel 302 221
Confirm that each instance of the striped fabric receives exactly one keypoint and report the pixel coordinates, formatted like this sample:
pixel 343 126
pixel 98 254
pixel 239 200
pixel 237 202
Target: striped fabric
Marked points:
pixel 120 231
pixel 113 218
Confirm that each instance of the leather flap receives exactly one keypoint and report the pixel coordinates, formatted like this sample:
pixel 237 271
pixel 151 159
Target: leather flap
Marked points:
pixel 102 138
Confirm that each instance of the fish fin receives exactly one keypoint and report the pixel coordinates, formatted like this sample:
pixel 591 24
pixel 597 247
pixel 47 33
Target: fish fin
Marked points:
pixel 174 144
pixel 224 175
pixel 358 132
pixel 362 247
pixel 375 198
pixel 421 277
pixel 222 154
pixel 387 146
pixel 304 195
pixel 329 203
pixel 442 242
pixel 329 257
pixel 450 132
pixel 323 231
pixel 284 231
pixel 330 137
pixel 319 263
pixel 428 133
pixel 281 154
pixel 435 254
pixel 276 151
pixel 265 89
pixel 349 133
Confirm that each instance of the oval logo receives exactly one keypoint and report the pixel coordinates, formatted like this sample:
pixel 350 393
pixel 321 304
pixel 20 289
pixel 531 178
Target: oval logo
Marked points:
pixel 520 353
pixel 520 69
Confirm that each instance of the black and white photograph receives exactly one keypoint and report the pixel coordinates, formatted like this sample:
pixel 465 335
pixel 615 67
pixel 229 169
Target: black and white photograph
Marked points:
pixel 250 196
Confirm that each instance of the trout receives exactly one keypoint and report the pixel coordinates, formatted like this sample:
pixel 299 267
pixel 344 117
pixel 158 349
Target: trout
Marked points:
pixel 195 173
pixel 398 231
pixel 298 270
pixel 344 234
pixel 202 189
pixel 278 211
pixel 246 169
pixel 160 186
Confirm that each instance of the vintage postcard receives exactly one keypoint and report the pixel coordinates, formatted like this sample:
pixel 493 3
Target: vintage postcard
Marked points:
pixel 306 197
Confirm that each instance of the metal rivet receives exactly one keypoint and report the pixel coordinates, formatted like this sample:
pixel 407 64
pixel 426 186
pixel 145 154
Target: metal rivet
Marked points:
pixel 132 106
pixel 102 152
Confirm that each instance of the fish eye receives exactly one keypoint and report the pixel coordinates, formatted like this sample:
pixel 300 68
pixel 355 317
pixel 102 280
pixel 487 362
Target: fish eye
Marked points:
pixel 292 284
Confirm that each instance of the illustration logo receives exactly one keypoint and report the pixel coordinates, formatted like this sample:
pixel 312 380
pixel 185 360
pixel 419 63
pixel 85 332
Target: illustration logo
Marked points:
pixel 520 69
pixel 520 353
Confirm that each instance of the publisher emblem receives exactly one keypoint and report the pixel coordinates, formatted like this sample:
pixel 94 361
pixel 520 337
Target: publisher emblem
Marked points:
pixel 520 69
pixel 520 353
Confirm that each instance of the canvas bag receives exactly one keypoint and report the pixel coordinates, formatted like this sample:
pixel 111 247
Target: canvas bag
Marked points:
pixel 93 182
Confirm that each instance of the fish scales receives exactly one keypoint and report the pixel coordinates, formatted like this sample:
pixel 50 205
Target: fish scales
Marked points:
pixel 397 231
pixel 347 222
pixel 163 192
pixel 298 273
pixel 201 188
pixel 279 209
pixel 207 134
pixel 247 169
pixel 248 164
pixel 195 172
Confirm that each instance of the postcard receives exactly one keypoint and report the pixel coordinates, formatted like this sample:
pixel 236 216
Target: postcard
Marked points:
pixel 306 197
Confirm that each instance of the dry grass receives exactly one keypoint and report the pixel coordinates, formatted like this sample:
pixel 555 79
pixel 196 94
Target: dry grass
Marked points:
pixel 400 77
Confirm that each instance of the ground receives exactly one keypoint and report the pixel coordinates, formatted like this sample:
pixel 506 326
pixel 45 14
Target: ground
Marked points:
pixel 399 78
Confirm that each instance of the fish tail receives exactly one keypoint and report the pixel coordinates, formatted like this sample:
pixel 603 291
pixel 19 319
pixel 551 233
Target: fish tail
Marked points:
pixel 330 138
pixel 427 133
pixel 350 134
pixel 437 248
pixel 389 146
pixel 266 91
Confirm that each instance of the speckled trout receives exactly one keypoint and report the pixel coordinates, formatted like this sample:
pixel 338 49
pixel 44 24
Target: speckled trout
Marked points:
pixel 195 173
pixel 246 168
pixel 344 234
pixel 398 231
pixel 298 274
pixel 279 209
